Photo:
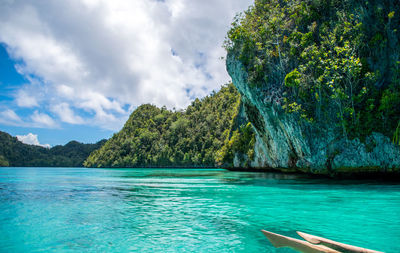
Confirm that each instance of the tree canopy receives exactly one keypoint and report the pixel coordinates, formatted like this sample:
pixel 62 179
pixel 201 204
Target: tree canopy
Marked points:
pixel 17 154
pixel 155 136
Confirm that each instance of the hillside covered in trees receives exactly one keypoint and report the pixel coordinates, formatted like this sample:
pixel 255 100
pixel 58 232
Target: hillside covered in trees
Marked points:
pixel 194 137
pixel 14 153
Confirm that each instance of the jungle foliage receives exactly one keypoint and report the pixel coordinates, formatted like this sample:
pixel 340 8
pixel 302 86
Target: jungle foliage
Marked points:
pixel 158 137
pixel 239 142
pixel 335 62
pixel 14 153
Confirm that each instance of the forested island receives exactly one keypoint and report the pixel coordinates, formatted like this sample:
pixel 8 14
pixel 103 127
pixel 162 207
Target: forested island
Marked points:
pixel 14 153
pixel 321 81
pixel 206 134
pixel 319 85
pixel 316 89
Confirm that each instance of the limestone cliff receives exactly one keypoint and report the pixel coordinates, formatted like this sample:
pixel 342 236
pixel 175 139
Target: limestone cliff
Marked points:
pixel 286 142
pixel 320 83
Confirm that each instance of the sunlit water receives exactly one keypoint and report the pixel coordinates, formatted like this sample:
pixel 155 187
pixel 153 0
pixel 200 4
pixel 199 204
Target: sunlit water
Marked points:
pixel 160 210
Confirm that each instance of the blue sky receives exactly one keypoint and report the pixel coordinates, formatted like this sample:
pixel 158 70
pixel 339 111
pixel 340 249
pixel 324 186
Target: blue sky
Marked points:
pixel 10 82
pixel 75 70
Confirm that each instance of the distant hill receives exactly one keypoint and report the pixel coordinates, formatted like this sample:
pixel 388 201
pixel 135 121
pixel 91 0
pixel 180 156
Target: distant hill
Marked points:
pixel 14 153
pixel 155 136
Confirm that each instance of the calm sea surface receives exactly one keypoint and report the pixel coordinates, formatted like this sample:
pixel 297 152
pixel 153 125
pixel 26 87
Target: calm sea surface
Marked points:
pixel 182 210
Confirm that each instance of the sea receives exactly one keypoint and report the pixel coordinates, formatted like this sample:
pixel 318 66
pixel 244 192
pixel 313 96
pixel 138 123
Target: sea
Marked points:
pixel 188 210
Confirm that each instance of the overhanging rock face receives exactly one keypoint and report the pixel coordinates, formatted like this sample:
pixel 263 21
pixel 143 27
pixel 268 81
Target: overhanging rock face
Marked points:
pixel 285 141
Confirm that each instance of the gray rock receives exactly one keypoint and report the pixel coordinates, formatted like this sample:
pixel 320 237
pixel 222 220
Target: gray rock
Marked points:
pixel 284 141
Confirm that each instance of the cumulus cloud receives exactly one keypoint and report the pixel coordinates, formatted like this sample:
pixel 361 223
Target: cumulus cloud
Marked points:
pixel 24 99
pixel 103 57
pixel 66 114
pixel 43 120
pixel 31 139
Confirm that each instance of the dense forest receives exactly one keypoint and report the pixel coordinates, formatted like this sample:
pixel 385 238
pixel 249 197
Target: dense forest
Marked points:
pixel 331 62
pixel 199 136
pixel 14 153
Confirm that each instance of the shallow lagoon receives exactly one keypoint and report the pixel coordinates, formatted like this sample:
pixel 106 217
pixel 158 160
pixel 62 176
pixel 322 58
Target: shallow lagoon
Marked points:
pixel 183 210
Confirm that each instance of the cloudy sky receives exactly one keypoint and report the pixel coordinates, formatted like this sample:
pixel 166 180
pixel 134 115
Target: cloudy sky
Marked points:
pixel 76 69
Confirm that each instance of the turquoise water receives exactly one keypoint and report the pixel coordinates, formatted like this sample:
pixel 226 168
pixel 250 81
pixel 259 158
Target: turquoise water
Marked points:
pixel 153 210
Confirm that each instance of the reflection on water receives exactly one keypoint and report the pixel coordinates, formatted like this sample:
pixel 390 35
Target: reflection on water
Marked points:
pixel 182 210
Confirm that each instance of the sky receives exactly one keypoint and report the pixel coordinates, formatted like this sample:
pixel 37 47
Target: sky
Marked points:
pixel 75 70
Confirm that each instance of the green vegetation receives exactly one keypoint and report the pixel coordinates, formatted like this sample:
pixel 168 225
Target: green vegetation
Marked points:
pixel 4 162
pixel 155 137
pixel 207 133
pixel 336 62
pixel 396 135
pixel 241 142
pixel 17 154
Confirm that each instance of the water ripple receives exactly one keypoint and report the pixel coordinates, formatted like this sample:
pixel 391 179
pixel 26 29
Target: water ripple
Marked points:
pixel 146 210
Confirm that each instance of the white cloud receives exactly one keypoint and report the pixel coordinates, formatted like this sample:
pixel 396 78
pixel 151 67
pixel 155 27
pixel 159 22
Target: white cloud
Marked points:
pixel 66 114
pixel 103 56
pixel 24 99
pixel 36 119
pixel 31 139
pixel 9 117
pixel 42 120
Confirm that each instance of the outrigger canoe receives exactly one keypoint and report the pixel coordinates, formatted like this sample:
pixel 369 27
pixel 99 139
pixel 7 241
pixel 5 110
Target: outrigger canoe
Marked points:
pixel 313 244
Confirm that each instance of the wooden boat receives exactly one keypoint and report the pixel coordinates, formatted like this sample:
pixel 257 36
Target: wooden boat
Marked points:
pixel 280 241
pixel 313 244
pixel 345 248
